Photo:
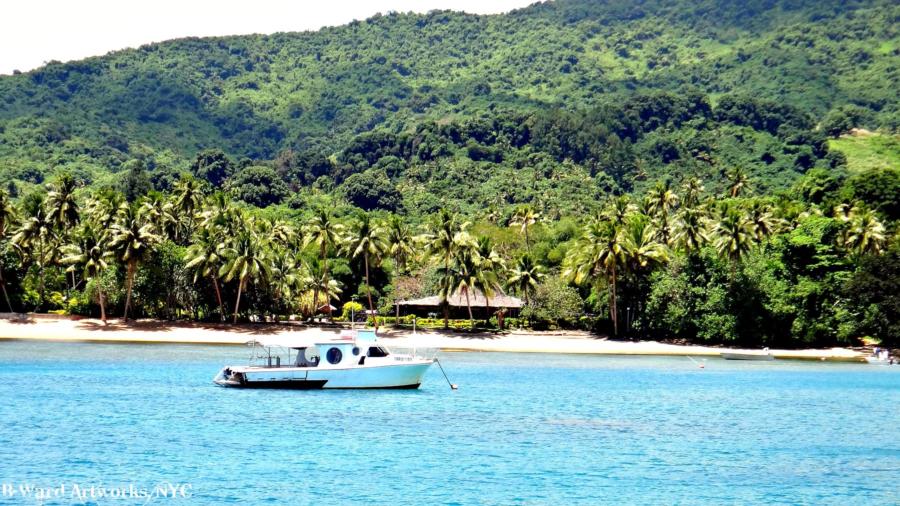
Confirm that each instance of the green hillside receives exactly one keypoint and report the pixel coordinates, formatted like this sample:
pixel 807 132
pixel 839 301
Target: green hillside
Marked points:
pixel 255 96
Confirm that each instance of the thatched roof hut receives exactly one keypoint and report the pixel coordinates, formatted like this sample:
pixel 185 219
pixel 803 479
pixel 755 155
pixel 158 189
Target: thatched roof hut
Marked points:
pixel 481 306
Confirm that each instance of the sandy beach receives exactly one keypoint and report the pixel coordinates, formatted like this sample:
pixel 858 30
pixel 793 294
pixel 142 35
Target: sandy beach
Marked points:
pixel 577 342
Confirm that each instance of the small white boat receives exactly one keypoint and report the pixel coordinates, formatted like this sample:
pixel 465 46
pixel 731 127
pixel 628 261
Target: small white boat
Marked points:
pixel 355 359
pixel 763 354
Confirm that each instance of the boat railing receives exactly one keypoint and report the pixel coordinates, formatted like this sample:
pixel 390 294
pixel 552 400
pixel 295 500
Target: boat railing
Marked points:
pixel 406 354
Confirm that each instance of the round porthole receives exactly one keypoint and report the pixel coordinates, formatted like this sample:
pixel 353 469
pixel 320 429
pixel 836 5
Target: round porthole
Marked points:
pixel 355 350
pixel 334 356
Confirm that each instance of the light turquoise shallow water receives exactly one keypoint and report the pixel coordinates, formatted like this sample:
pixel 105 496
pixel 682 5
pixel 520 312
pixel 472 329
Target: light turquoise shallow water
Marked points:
pixel 523 428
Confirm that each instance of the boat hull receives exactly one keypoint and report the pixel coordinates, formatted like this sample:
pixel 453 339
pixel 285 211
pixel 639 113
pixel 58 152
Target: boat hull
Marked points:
pixel 394 376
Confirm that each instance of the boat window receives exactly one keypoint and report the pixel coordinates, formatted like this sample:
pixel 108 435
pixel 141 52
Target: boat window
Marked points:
pixel 356 350
pixel 334 356
pixel 377 351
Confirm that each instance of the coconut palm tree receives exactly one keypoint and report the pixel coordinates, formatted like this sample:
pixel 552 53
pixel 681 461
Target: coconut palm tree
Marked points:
pixel 325 234
pixel 62 209
pixel 7 218
pixel 763 222
pixel 692 191
pixel 461 275
pixel 661 199
pixel 733 237
pixel 204 258
pixel 525 276
pixel 524 217
pixel 90 253
pixel 288 277
pixel 400 242
pixel 160 213
pixel 691 229
pixel 641 248
pixel 620 210
pixel 35 239
pixel 441 245
pixel 490 267
pixel 133 239
pixel 245 260
pixel 739 182
pixel 366 238
pixel 866 234
pixel 188 197
pixel 599 251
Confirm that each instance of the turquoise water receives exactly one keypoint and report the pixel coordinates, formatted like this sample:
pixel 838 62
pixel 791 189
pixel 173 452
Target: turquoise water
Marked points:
pixel 522 429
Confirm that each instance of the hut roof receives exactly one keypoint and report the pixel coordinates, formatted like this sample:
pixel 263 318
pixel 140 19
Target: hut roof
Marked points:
pixel 476 299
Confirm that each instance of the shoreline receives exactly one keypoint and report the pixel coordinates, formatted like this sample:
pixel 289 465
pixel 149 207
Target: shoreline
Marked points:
pixel 558 342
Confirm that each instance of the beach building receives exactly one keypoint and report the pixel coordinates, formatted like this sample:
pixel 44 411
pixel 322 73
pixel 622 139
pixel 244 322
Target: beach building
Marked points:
pixel 482 307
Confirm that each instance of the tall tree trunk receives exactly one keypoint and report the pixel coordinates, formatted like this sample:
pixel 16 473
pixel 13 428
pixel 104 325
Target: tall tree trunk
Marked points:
pixel 325 286
pixel 129 284
pixel 612 304
pixel 487 310
pixel 369 292
pixel 5 294
pixel 102 306
pixel 237 301
pixel 527 243
pixel 446 311
pixel 469 305
pixel 218 297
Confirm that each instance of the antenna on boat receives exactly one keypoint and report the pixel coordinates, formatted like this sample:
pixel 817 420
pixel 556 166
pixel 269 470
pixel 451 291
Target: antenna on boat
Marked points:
pixel 453 386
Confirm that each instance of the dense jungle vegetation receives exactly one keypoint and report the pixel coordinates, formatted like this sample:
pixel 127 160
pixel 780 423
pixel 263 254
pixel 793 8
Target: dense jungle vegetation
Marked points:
pixel 715 171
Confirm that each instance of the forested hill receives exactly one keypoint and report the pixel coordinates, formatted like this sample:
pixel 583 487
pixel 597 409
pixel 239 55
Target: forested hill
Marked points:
pixel 316 92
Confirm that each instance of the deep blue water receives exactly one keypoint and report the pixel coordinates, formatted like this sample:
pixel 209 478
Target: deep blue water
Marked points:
pixel 522 429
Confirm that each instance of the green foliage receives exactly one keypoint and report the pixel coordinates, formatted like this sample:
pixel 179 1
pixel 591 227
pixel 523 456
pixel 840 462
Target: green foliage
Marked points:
pixel 555 303
pixel 258 186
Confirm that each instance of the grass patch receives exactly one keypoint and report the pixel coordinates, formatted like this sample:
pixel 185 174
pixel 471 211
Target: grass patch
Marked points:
pixel 868 152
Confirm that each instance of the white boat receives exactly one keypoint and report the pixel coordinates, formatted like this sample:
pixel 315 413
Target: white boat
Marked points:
pixel 355 359
pixel 763 354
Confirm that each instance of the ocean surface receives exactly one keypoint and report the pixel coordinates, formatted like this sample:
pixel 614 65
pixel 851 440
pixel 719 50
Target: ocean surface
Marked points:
pixel 133 421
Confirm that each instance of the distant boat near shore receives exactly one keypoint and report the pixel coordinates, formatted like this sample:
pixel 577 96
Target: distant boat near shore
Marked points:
pixel 763 354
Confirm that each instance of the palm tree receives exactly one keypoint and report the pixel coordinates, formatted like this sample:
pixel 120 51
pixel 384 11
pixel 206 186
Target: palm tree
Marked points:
pixel 661 199
pixel 133 239
pixel 866 234
pixel 490 265
pixel 599 250
pixel 204 258
pixel 525 276
pixel 621 210
pixel 763 223
pixel 323 232
pixel 288 277
pixel 524 217
pixel 245 260
pixel 400 241
pixel 35 240
pixel 739 182
pixel 90 253
pixel 367 239
pixel 159 212
pixel 188 196
pixel 733 237
pixel 692 190
pixel 441 245
pixel 640 247
pixel 461 274
pixel 7 218
pixel 62 209
pixel 691 230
